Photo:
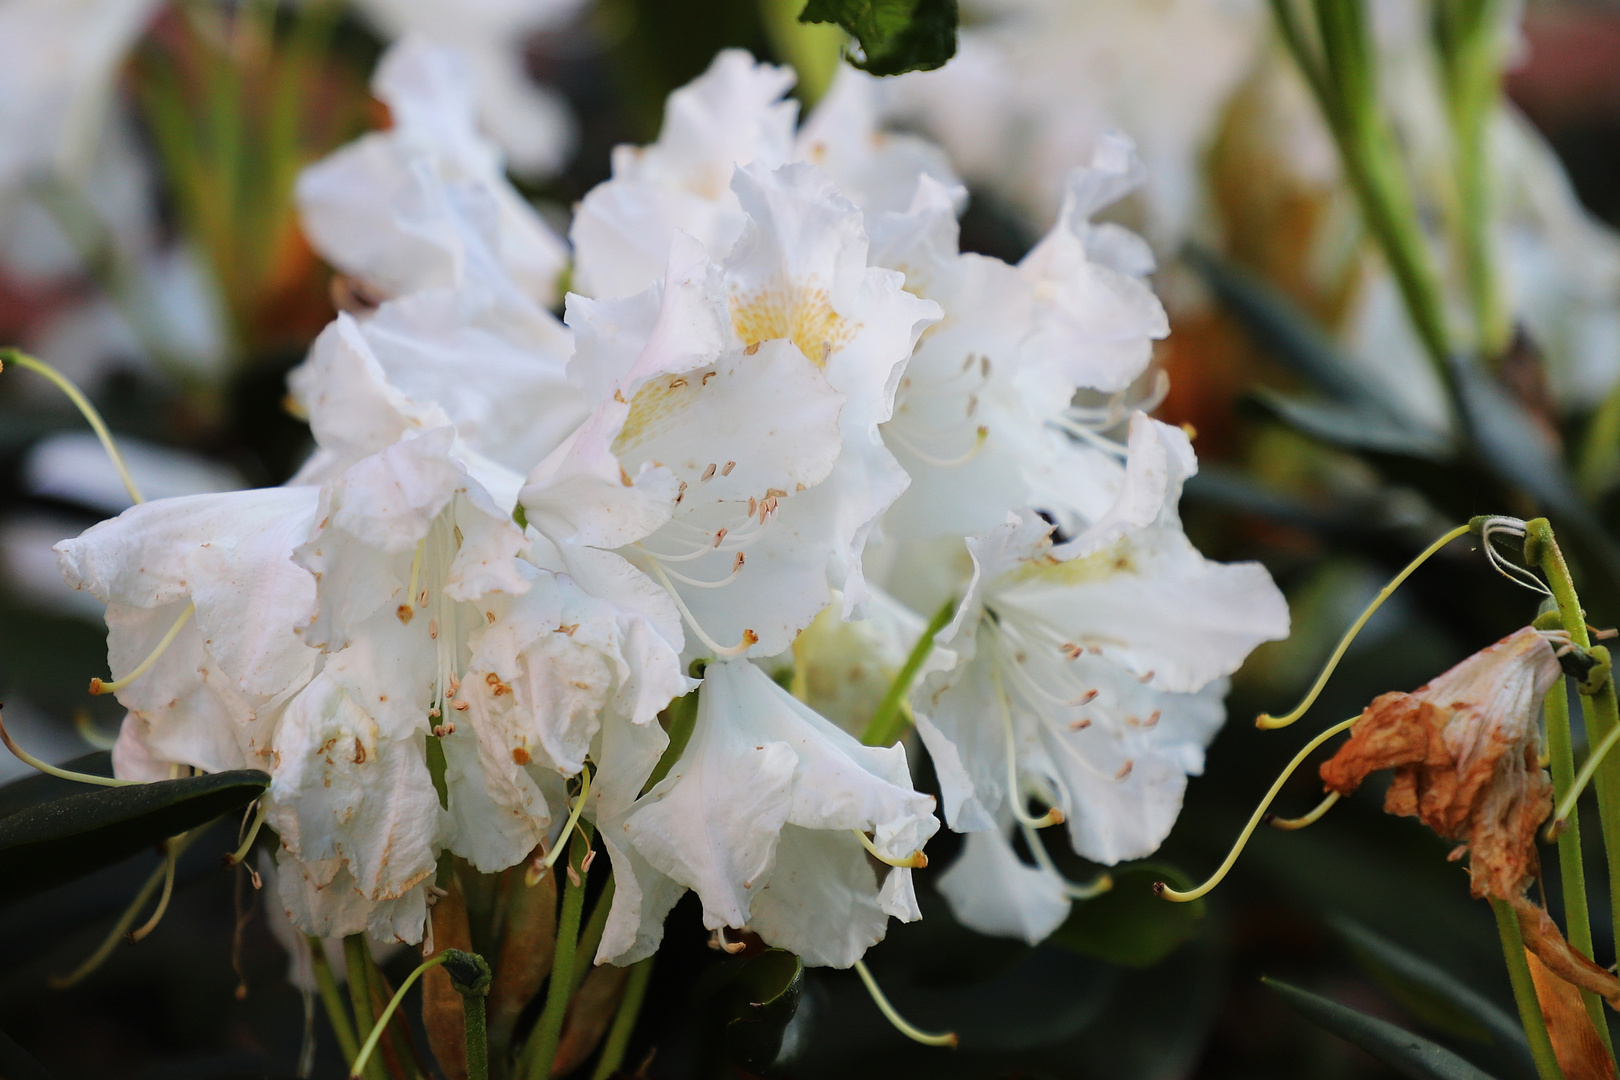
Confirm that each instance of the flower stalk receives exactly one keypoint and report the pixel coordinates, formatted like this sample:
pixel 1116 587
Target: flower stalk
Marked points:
pixel 889 722
pixel 542 1050
pixel 1524 992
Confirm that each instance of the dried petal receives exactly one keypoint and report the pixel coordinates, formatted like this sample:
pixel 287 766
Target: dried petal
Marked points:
pixel 1580 1051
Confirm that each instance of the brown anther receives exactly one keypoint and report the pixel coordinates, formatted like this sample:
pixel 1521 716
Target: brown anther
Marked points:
pixel 1154 718
pixel 1088 697
pixel 359 752
pixel 750 637
pixel 405 613
pixel 676 383
pixel 1125 770
pixel 753 504
pixel 752 349
pixel 568 628
pixel 624 477
pixel 681 493
pixel 719 535
pixel 95 687
pixel 422 598
pixel 618 395
pixel 490 615
pixel 707 375
pixel 1079 725
pixel 1071 650
pixel 492 679
pixel 1147 676
pixel 434 711
pixel 460 706
pixel 708 474
pixel 433 629
pixel 728 467
pixel 737 563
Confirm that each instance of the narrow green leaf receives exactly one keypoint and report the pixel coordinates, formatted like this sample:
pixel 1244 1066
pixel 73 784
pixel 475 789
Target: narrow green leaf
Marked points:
pixel 1353 428
pixel 895 36
pixel 1408 1054
pixel 1128 925
pixel 25 791
pixel 1428 992
pixel 50 843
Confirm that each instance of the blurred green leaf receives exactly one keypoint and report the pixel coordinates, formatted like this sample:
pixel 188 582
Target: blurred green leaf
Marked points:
pixel 757 1005
pixel 1406 1053
pixel 896 36
pixel 1354 428
pixel 1128 925
pixel 1427 991
pixel 17 1063
pixel 50 843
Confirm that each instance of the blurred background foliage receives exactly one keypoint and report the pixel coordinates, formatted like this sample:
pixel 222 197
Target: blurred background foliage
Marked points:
pixel 1361 908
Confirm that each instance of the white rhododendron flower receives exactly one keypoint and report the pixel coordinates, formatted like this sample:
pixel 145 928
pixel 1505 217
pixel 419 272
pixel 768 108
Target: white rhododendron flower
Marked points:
pixel 734 456
pixel 1088 674
pixel 533 128
pixel 734 115
pixel 760 817
pixel 410 207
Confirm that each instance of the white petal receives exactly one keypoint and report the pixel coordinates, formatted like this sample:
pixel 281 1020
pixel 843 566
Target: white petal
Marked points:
pixel 821 899
pixel 993 891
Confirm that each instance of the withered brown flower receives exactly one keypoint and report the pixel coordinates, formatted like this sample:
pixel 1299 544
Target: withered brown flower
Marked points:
pixel 1465 750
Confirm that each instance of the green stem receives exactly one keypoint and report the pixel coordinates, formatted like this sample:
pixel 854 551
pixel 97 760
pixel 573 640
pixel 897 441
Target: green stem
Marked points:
pixel 1571 865
pixel 355 959
pixel 888 723
pixel 477 1035
pixel 624 1022
pixel 594 927
pixel 1541 548
pixel 332 999
pixel 548 1029
pixel 1524 992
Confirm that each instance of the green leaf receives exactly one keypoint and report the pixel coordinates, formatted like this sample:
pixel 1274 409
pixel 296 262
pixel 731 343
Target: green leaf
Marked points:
pixel 895 36
pixel 1351 427
pixel 757 1005
pixel 42 787
pixel 57 841
pixel 1408 1054
pixel 1428 992
pixel 1128 925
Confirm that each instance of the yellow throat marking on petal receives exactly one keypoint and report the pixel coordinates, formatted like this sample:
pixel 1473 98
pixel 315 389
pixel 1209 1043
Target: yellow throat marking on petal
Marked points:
pixel 657 406
pixel 1100 565
pixel 799 311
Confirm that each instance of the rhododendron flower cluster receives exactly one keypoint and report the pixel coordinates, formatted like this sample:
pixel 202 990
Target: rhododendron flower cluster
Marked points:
pixel 779 396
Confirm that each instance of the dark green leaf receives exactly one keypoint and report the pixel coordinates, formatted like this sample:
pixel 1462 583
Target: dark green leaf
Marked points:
pixel 40 787
pixel 58 841
pixel 1294 338
pixel 17 1063
pixel 1128 924
pixel 1355 428
pixel 1428 992
pixel 1406 1053
pixel 757 1005
pixel 895 35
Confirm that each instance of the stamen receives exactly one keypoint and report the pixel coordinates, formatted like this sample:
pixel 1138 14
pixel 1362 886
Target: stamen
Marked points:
pixel 98 686
pixel 176 845
pixel 405 611
pixel 87 410
pixel 1043 858
pixel 89 733
pixel 1566 805
pixel 358 1068
pixel 915 861
pixel 1267 721
pixel 1514 573
pixel 981 435
pixel 736 568
pixel 1305 751
pixel 718 942
pixel 945 1038
pixel 1086 434
pixel 1053 816
pixel 749 638
pixel 573 820
pixel 1294 824
pixel 51 770
pixel 151 924
pixel 253 834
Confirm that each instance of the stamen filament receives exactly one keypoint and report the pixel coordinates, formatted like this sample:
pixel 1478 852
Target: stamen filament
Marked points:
pixel 573 819
pixel 696 583
pixel 117 934
pixel 1080 431
pixel 377 1029
pixel 915 861
pixel 151 924
pixel 1254 819
pixel 100 686
pixel 1315 815
pixel 87 410
pixel 980 437
pixel 1267 721
pixel 722 651
pixel 1566 805
pixel 944 1038
pixel 241 852
pixel 87 730
pixel 1103 882
pixel 1053 815
pixel 51 770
